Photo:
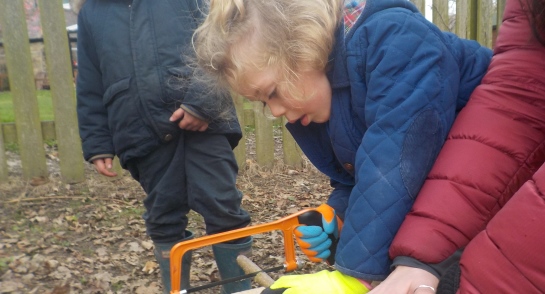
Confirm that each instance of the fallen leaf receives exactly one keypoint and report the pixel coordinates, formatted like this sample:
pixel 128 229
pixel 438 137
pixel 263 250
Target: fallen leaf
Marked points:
pixel 135 247
pixel 150 267
pixel 153 288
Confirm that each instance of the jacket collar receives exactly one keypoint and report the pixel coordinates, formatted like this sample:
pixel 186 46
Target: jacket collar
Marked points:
pixel 337 72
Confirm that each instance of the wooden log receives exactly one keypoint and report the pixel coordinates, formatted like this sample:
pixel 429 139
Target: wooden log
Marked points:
pixel 21 80
pixel 249 267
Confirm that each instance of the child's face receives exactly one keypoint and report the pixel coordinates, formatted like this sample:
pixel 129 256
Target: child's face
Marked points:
pixel 315 106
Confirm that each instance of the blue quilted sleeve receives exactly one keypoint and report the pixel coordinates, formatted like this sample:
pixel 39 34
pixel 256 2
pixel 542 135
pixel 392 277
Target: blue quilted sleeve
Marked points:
pixel 338 199
pixel 411 83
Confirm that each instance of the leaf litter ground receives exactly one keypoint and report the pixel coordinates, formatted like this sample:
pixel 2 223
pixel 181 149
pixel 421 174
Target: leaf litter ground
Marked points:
pixel 89 237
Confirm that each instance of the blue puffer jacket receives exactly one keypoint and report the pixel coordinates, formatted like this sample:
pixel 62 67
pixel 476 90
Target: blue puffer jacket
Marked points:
pixel 133 74
pixel 398 83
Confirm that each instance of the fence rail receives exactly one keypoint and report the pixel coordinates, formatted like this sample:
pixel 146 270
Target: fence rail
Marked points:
pixel 471 19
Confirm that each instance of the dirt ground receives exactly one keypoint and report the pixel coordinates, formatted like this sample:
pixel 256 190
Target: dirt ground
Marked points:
pixel 57 238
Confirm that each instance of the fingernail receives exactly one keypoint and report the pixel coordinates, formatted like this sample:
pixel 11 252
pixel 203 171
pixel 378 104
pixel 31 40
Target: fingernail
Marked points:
pixel 109 166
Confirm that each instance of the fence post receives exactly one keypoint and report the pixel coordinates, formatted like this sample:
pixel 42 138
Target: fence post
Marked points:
pixel 501 9
pixel 59 72
pixel 292 152
pixel 240 150
pixel 421 5
pixel 264 138
pixel 3 159
pixel 484 22
pixel 23 89
pixel 440 14
pixel 463 19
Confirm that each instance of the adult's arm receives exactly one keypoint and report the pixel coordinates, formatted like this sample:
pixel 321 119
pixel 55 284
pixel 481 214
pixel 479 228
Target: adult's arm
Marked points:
pixel 510 249
pixel 496 144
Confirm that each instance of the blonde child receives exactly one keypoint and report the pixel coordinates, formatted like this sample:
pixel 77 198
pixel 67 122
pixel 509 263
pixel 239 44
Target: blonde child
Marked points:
pixel 370 90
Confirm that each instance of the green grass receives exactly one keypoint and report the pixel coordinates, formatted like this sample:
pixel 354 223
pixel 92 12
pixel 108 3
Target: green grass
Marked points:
pixel 45 106
pixel 4 263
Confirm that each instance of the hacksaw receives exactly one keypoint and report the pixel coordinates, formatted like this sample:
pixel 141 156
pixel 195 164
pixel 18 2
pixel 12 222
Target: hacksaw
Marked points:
pixel 287 225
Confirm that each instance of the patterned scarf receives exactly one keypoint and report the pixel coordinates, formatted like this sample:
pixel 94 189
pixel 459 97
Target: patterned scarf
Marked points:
pixel 352 10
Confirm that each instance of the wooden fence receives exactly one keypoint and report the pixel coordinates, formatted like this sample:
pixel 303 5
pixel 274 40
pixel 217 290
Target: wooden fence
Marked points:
pixel 474 19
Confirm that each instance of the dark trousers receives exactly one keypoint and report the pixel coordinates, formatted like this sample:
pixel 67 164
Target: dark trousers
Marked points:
pixel 195 172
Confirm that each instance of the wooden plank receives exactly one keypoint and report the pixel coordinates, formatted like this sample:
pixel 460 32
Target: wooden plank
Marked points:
pixel 501 9
pixel 63 93
pixel 48 131
pixel 3 159
pixel 440 16
pixel 466 19
pixel 10 133
pixel 21 79
pixel 240 150
pixel 484 22
pixel 292 152
pixel 421 5
pixel 461 25
pixel 249 118
pixel 264 139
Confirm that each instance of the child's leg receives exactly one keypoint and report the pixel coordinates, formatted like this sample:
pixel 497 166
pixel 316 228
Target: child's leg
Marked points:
pixel 211 179
pixel 212 170
pixel 162 176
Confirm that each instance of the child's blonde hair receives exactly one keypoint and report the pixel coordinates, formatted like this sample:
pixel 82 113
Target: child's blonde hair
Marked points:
pixel 292 35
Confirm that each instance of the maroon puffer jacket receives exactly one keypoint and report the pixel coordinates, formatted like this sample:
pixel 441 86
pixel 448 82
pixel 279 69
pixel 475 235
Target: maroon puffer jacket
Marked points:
pixel 495 145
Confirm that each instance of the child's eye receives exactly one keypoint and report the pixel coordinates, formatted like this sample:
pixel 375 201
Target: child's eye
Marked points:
pixel 273 93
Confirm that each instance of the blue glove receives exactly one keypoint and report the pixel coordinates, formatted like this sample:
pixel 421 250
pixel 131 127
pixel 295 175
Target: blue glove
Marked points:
pixel 318 239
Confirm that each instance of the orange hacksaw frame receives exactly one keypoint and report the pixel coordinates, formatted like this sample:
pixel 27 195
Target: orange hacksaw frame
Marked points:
pixel 287 225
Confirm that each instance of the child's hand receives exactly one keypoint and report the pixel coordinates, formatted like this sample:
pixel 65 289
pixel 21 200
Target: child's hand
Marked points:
pixel 104 167
pixel 188 122
pixel 316 241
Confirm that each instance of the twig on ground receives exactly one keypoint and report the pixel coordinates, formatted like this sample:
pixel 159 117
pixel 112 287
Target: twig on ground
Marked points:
pixel 63 197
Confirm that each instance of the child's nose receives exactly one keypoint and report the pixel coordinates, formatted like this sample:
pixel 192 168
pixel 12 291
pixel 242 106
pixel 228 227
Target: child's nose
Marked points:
pixel 277 110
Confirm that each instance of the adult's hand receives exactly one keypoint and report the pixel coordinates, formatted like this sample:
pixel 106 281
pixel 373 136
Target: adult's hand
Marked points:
pixel 188 122
pixel 104 167
pixel 407 280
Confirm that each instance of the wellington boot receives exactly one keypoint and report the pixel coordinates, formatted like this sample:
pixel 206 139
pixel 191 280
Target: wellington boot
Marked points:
pixel 226 259
pixel 162 254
